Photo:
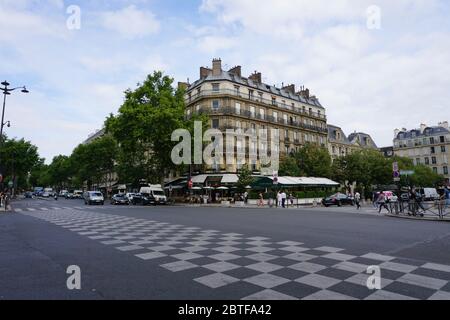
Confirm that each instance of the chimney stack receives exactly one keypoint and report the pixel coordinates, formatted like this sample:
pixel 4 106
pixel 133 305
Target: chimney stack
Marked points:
pixel 443 124
pixel 304 93
pixel 422 127
pixel 290 88
pixel 205 72
pixel 396 132
pixel 236 71
pixel 217 67
pixel 256 77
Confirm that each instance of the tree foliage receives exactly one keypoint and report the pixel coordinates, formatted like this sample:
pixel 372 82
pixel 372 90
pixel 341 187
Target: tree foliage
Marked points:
pixel 310 160
pixel 17 160
pixel 143 129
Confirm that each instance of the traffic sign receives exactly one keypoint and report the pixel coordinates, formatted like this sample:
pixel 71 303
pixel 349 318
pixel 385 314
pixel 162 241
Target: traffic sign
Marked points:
pixel 406 172
pixel 275 177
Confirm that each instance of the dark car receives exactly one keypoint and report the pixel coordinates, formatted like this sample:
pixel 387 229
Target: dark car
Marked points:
pixel 28 195
pixel 119 199
pixel 143 199
pixel 338 199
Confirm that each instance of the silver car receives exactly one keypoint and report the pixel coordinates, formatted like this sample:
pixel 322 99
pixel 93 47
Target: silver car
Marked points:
pixel 93 197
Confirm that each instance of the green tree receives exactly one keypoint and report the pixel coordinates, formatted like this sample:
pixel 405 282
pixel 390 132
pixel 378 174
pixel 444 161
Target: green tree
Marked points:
pixel 18 158
pixel 92 162
pixel 143 129
pixel 289 167
pixel 311 160
pixel 245 178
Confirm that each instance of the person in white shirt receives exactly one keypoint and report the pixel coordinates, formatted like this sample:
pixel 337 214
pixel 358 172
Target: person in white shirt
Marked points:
pixel 283 199
pixel 279 199
pixel 358 200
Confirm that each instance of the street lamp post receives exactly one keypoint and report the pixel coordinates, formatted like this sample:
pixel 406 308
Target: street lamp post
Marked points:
pixel 6 91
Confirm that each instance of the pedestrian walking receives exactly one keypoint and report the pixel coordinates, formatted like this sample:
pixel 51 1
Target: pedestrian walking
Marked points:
pixel 447 197
pixel 245 197
pixel 291 199
pixel 357 200
pixel 261 200
pixel 375 196
pixel 279 199
pixel 382 202
pixel 283 199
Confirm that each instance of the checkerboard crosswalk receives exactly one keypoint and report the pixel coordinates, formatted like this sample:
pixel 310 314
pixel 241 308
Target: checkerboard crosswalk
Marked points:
pixel 268 269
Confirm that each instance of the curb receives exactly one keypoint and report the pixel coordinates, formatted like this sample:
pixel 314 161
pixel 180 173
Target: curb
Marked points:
pixel 417 218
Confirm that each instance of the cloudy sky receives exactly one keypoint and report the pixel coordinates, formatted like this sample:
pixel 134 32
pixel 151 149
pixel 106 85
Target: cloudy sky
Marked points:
pixel 373 73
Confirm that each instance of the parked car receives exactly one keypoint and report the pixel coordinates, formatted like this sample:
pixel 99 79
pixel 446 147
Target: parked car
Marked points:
pixel 69 195
pixel 338 199
pixel 77 194
pixel 143 199
pixel 45 195
pixel 28 195
pixel 154 193
pixel 130 196
pixel 93 197
pixel 119 199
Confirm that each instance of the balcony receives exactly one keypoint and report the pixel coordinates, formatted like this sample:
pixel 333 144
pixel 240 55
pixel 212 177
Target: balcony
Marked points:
pixel 248 114
pixel 229 92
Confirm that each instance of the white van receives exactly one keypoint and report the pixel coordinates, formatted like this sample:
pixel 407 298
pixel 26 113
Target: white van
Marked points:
pixel 154 192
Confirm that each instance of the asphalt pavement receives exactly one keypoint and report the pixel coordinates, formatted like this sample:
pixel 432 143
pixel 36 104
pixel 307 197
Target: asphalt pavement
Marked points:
pixel 164 252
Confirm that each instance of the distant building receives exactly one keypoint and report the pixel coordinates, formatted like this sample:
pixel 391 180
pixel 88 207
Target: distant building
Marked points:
pixel 93 136
pixel 388 152
pixel 429 145
pixel 338 143
pixel 363 140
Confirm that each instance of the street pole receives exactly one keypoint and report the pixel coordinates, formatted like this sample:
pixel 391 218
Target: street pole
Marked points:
pixel 6 91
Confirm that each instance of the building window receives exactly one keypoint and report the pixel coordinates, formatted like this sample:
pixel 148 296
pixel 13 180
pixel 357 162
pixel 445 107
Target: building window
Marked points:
pixel 442 139
pixel 275 116
pixel 215 104
pixel 427 161
pixel 237 90
pixel 445 170
pixel 433 160
pixel 250 94
pixel 333 149
pixel 274 101
pixel 215 123
pixel 252 112
pixel 262 114
pixel 443 149
pixel 431 140
pixel 285 118
pixel 435 170
pixel 238 124
pixel 238 108
pixel 417 161
pixel 432 150
pixel 215 87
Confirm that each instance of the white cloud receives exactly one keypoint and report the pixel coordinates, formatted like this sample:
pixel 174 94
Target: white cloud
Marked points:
pixel 369 80
pixel 131 22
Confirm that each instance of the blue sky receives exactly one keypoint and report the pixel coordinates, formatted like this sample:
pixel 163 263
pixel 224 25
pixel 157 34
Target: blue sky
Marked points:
pixel 371 80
